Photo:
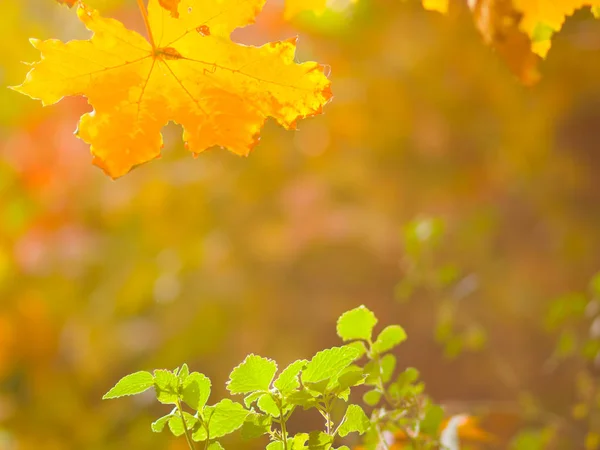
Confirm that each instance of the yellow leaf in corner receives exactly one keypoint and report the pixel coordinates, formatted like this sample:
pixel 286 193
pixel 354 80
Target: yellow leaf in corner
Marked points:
pixel 547 15
pixel 188 71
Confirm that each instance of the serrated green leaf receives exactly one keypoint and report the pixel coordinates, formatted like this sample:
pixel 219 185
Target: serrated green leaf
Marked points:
pixel 287 381
pixel 253 374
pixel 255 425
pixel 355 420
pixel 357 323
pixel 299 441
pixel 251 398
pixel 132 384
pixel 182 373
pixel 275 445
pixel 200 435
pixel 360 346
pixel 196 390
pixel 389 338
pixel 371 398
pixel 215 445
pixel 226 417
pixel 267 405
pixel 317 388
pixel 302 398
pixel 159 424
pixel 166 384
pixel 176 424
pixel 328 363
pixel 317 440
pixel 382 368
pixel 344 395
pixel 349 377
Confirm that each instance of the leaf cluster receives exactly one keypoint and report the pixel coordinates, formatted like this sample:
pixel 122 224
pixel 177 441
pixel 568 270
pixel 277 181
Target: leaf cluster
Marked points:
pixel 269 398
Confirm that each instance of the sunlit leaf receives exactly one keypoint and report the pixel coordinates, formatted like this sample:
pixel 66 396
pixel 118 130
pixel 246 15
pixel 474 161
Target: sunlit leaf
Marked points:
pixel 357 323
pixel 328 363
pixel 189 72
pixel 287 380
pixel 131 384
pixel 355 421
pixel 389 338
pixel 166 386
pixel 253 374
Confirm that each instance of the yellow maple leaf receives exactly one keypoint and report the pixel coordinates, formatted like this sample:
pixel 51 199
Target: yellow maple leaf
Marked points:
pixel 188 71
pixel 541 18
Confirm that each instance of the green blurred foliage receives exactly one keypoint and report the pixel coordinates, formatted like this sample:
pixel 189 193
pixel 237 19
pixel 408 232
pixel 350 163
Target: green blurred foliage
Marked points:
pixel 206 260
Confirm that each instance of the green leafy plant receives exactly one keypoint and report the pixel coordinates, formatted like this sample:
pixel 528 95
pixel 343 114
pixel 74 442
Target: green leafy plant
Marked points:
pixel 323 383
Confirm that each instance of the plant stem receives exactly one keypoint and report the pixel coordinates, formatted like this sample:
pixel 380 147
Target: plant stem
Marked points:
pixel 283 429
pixel 144 12
pixel 185 428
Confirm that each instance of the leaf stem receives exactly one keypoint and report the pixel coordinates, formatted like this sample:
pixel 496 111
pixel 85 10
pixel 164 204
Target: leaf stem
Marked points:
pixel 144 12
pixel 282 422
pixel 185 428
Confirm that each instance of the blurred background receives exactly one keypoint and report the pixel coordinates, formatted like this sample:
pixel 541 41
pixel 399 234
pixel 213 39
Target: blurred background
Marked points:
pixel 436 189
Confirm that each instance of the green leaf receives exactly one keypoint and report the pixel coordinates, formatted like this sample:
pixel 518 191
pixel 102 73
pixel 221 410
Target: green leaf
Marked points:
pixel 215 445
pixel 268 405
pixel 349 377
pixel 303 398
pixel 176 424
pixel 183 373
pixel 357 323
pixel 166 384
pixel 200 434
pixel 404 386
pixel 275 445
pixel 255 425
pixel 360 346
pixel 132 384
pixel 196 390
pixel 287 381
pixel 434 414
pixel 299 441
pixel 371 398
pixel 344 395
pixel 253 374
pixel 355 420
pixel 317 440
pixel 328 363
pixel 159 424
pixel 389 338
pixel 251 398
pixel 387 364
pixel 226 417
